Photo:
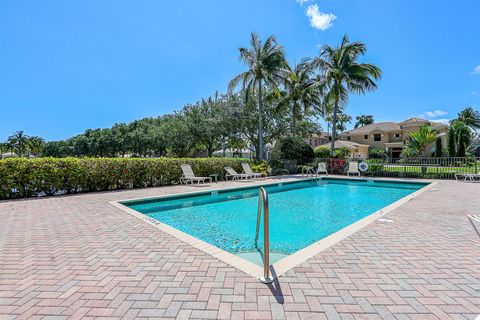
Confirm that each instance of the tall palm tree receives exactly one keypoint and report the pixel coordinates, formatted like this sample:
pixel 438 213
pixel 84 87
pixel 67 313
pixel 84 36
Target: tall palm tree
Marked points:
pixel 344 74
pixel 18 141
pixel 419 141
pixel 363 120
pixel 301 93
pixel 266 63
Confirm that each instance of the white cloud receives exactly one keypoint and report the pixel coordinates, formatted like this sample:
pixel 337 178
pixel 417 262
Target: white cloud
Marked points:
pixel 476 70
pixel 302 2
pixel 424 116
pixel 444 121
pixel 319 20
pixel 435 113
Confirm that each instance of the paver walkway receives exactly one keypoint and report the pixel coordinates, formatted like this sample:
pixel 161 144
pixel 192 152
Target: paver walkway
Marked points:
pixel 79 257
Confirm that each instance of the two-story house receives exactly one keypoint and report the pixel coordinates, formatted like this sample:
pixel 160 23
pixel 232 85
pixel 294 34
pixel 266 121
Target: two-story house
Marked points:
pixel 392 136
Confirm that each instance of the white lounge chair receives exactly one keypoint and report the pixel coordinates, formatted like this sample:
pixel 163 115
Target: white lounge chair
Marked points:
pixel 473 177
pixel 189 176
pixel 468 176
pixel 475 219
pixel 234 174
pixel 322 168
pixel 353 168
pixel 249 172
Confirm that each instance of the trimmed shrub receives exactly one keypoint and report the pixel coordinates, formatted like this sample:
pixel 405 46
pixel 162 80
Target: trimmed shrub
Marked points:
pixel 376 153
pixel 261 166
pixel 291 148
pixel 342 152
pixel 375 165
pixel 21 177
pixel 322 152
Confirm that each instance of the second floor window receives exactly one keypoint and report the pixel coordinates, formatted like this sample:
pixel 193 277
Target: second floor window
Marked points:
pixel 397 135
pixel 377 137
pixel 365 137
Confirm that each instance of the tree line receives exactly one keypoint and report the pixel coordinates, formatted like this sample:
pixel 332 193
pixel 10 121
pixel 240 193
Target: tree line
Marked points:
pixel 220 122
pixel 23 145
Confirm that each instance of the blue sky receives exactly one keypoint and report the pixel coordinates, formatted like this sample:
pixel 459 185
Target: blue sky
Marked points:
pixel 66 66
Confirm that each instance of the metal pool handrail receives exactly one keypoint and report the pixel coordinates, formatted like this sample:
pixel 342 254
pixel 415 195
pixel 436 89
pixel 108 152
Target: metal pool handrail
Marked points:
pixel 263 200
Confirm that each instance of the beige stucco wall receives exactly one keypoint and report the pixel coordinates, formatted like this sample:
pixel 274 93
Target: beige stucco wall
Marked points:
pixel 360 152
pixel 375 144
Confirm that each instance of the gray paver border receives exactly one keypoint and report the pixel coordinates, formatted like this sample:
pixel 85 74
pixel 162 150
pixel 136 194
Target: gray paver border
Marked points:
pixel 287 263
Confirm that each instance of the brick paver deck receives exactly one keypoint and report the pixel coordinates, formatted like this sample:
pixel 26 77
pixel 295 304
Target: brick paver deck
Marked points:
pixel 79 257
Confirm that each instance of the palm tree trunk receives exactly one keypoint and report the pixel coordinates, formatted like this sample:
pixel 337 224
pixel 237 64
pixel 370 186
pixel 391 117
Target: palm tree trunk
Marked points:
pixel 334 127
pixel 293 125
pixel 260 154
pixel 224 147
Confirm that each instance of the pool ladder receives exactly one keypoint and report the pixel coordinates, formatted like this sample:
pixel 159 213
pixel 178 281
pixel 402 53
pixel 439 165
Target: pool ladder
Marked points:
pixel 263 202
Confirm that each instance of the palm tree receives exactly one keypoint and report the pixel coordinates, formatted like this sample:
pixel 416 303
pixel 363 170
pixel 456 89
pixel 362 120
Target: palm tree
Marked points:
pixel 464 140
pixel 18 141
pixel 419 141
pixel 302 93
pixel 470 117
pixel 35 145
pixel 342 120
pixel 4 147
pixel 363 120
pixel 343 74
pixel 459 136
pixel 266 63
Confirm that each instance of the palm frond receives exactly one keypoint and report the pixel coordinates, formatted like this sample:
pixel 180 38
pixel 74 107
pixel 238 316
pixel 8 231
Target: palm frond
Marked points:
pixel 236 80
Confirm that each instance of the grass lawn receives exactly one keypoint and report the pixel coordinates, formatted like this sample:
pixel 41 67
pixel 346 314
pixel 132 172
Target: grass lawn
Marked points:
pixel 417 169
pixel 430 169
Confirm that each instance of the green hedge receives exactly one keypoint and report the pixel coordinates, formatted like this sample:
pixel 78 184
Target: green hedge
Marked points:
pixel 20 177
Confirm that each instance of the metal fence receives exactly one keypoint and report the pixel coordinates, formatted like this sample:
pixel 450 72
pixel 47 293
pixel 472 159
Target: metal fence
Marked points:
pixel 431 168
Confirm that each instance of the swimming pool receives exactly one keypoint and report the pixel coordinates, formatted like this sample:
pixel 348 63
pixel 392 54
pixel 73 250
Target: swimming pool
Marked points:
pixel 301 212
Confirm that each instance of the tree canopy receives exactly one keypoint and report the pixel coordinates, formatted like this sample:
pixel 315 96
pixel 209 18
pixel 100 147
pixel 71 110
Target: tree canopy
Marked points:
pixel 219 122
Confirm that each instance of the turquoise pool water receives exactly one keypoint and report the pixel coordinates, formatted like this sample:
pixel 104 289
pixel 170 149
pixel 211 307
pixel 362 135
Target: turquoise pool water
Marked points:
pixel 301 213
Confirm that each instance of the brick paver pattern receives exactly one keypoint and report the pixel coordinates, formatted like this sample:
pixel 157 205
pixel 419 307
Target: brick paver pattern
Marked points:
pixel 77 256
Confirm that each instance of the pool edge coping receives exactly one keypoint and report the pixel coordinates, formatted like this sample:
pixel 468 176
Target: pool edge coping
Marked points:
pixel 291 261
